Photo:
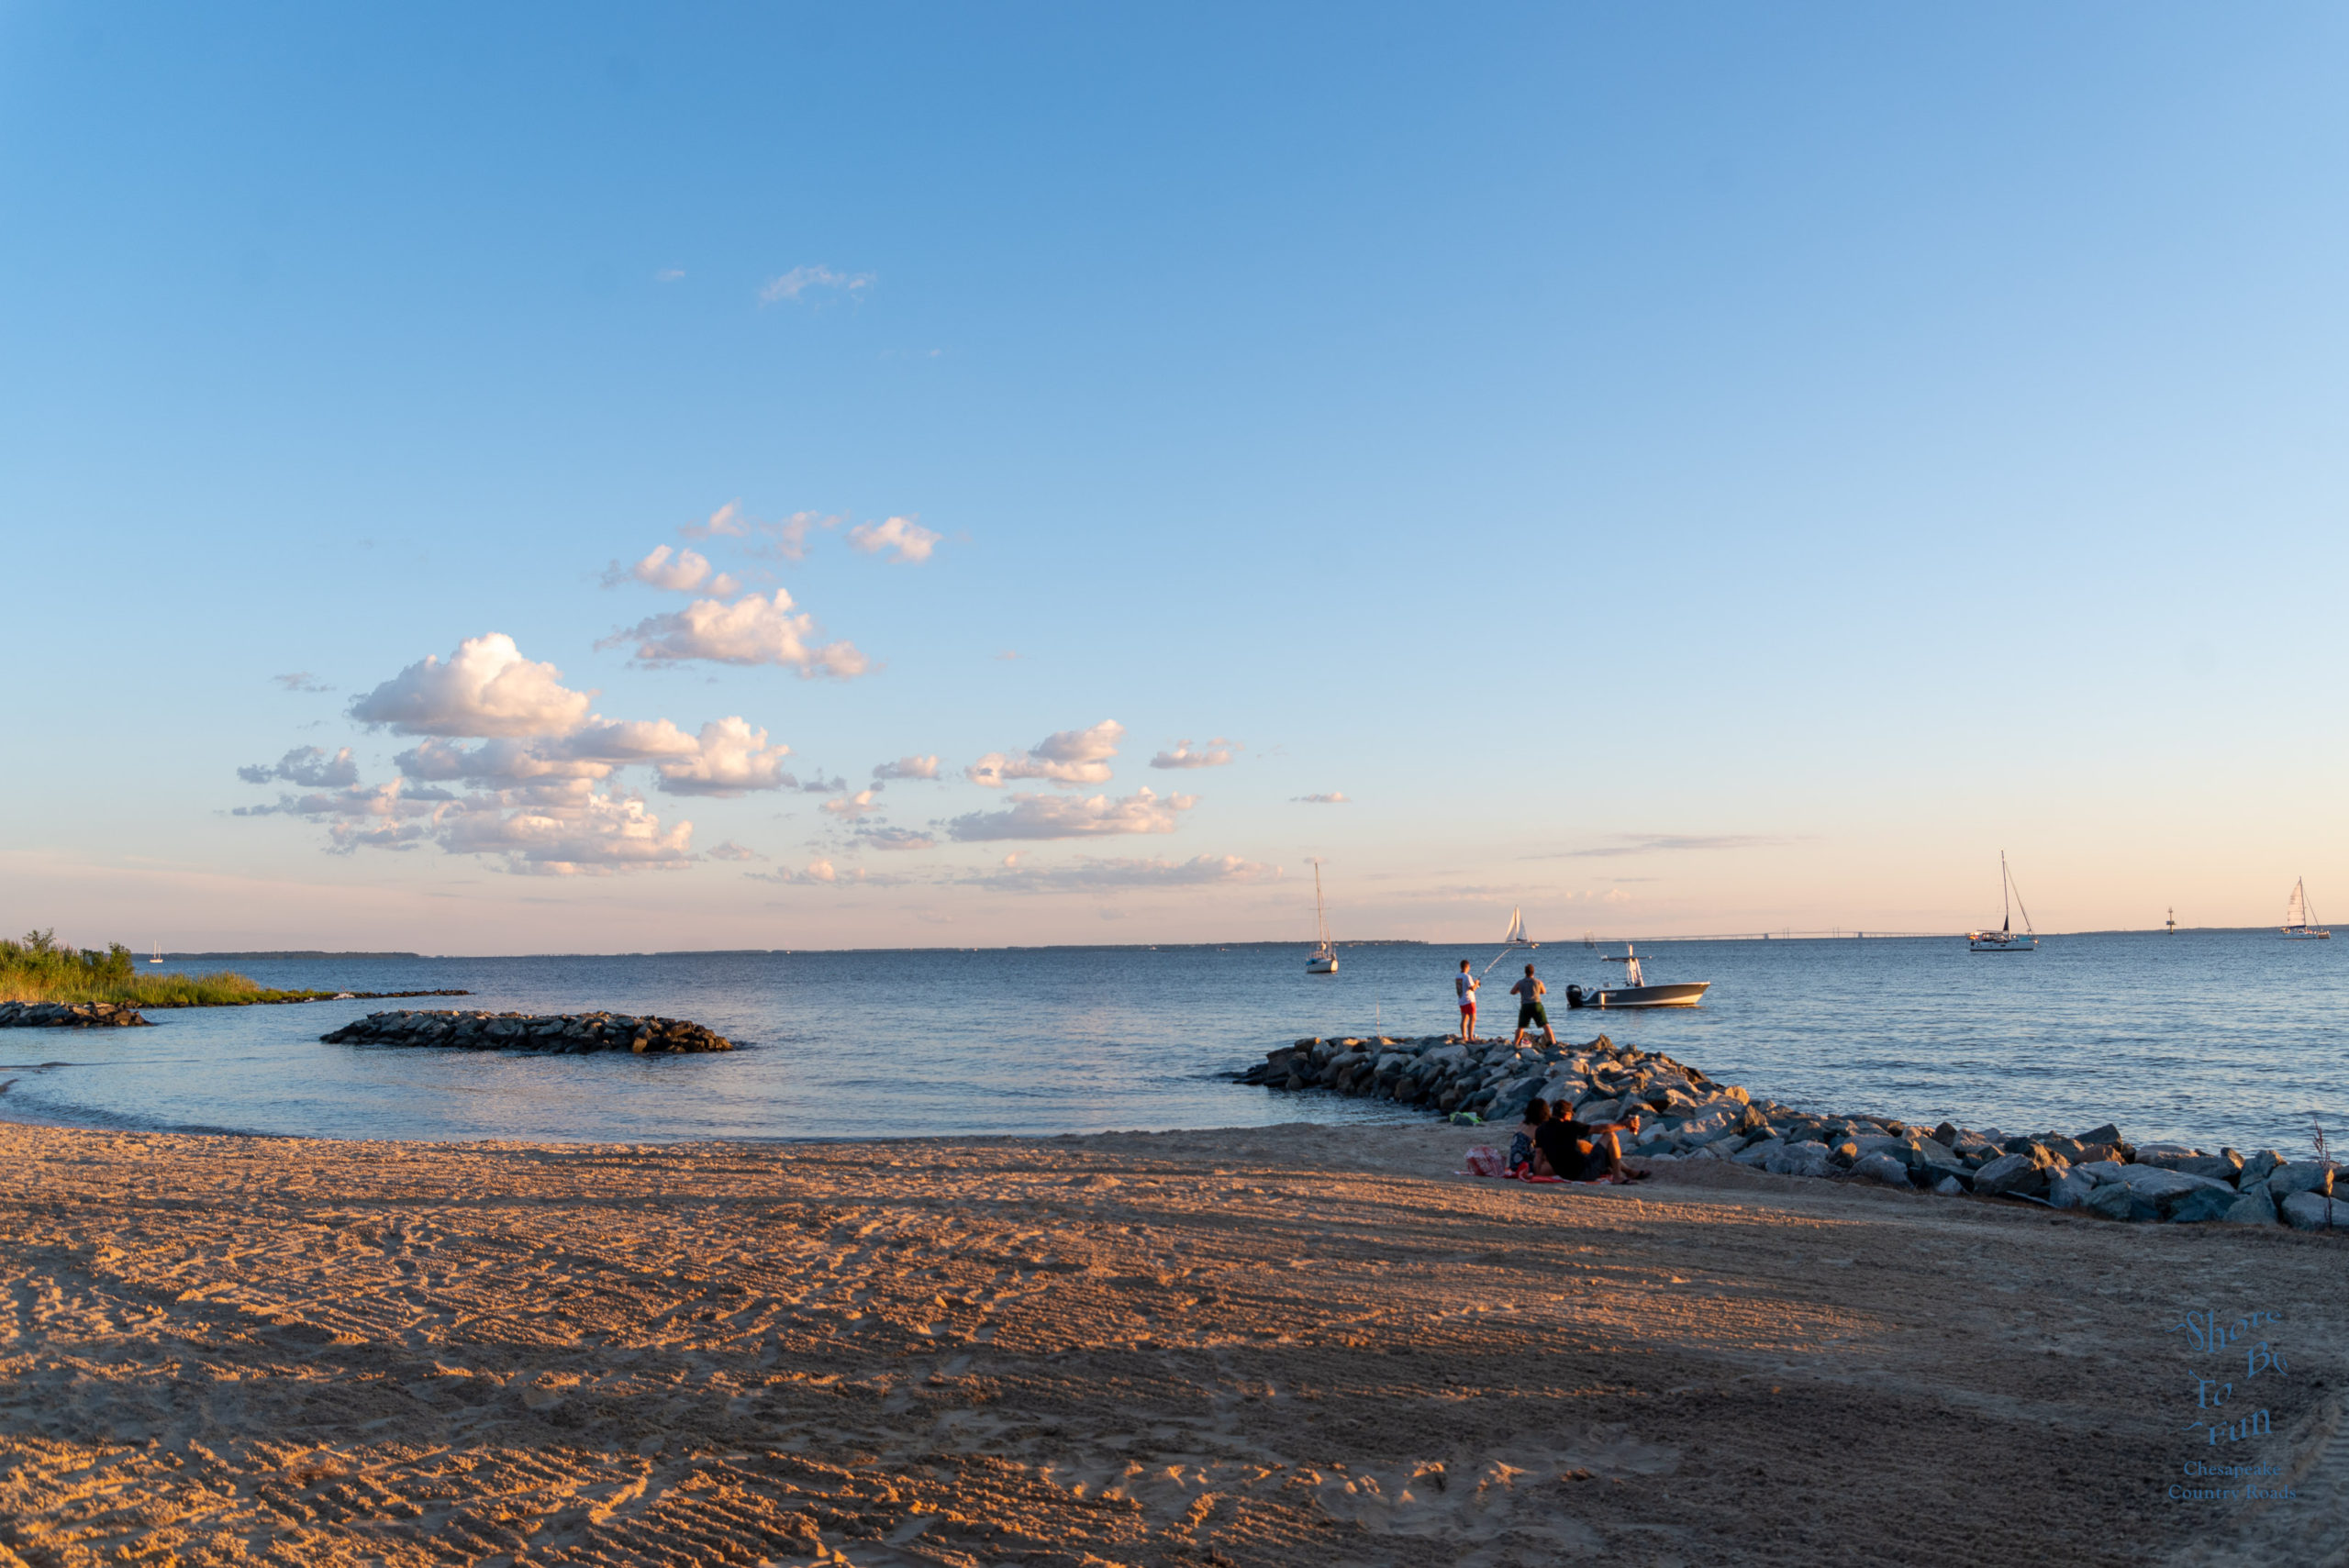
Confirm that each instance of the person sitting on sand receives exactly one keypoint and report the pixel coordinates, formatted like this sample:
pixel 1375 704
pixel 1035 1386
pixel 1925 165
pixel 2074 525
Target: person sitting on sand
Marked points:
pixel 1530 1010
pixel 1466 983
pixel 1522 1155
pixel 1582 1151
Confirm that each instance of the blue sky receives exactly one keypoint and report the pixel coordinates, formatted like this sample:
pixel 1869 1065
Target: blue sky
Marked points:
pixel 1675 468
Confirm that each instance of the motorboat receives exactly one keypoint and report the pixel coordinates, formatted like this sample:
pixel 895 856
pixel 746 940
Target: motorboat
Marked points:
pixel 2300 921
pixel 1325 957
pixel 2006 939
pixel 1635 991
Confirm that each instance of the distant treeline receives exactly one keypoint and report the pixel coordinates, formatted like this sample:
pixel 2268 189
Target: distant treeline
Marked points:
pixel 39 968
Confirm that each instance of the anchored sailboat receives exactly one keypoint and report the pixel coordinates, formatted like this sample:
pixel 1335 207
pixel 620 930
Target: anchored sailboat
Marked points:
pixel 2005 940
pixel 158 954
pixel 2300 921
pixel 1325 957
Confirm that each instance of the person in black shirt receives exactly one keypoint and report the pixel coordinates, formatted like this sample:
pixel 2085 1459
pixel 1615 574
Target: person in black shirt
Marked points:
pixel 1581 1151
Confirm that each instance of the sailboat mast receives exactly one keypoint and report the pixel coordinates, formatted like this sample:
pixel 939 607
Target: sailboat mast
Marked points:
pixel 2006 887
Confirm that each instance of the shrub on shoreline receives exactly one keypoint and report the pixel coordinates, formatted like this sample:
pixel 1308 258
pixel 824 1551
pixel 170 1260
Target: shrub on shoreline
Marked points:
pixel 39 968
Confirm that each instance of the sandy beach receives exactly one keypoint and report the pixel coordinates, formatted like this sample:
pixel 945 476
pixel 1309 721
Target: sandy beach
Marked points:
pixel 1299 1345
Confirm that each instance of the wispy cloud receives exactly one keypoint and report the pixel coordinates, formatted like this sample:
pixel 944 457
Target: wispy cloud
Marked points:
pixel 896 839
pixel 1069 817
pixel 731 850
pixel 907 768
pixel 1335 797
pixel 1092 875
pixel 1066 756
pixel 907 540
pixel 802 283
pixel 301 681
pixel 853 807
pixel 668 274
pixel 308 766
pixel 1657 844
pixel 1216 753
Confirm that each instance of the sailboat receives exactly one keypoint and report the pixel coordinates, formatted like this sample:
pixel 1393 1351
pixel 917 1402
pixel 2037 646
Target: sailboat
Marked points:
pixel 1513 938
pixel 1325 957
pixel 2004 938
pixel 158 954
pixel 2300 921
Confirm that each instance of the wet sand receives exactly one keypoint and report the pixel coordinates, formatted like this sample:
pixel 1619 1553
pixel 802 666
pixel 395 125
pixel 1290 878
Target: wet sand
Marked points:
pixel 1295 1346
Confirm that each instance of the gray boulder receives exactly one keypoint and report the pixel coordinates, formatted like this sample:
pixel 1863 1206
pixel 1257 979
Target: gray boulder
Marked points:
pixel 2251 1206
pixel 2259 1166
pixel 2300 1176
pixel 1758 1153
pixel 2016 1176
pixel 1880 1167
pixel 1949 1186
pixel 2071 1189
pixel 2202 1204
pixel 2155 1194
pixel 2112 1201
pixel 2314 1211
pixel 1800 1159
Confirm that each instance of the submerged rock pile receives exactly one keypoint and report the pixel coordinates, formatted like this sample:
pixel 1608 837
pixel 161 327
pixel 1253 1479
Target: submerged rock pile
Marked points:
pixel 68 1016
pixel 1686 1115
pixel 560 1032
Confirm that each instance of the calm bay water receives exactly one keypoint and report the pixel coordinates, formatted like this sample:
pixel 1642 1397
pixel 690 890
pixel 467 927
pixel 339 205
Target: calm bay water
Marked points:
pixel 2209 1037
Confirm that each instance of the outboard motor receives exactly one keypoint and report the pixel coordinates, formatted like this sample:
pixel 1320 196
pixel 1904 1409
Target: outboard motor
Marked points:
pixel 1573 995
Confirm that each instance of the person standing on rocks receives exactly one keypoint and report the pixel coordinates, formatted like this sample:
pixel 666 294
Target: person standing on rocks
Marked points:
pixel 1530 1010
pixel 1466 983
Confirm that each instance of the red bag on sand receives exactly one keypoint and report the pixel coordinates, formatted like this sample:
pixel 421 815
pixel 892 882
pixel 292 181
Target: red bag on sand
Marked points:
pixel 1484 1160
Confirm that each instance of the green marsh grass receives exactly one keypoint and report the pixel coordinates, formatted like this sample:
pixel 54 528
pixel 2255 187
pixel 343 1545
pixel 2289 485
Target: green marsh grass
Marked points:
pixel 38 968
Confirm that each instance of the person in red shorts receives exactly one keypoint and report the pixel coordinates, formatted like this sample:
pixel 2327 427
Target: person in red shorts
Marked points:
pixel 1466 983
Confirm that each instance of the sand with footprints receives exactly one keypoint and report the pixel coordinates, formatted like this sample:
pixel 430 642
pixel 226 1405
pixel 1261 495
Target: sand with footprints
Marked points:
pixel 1294 1346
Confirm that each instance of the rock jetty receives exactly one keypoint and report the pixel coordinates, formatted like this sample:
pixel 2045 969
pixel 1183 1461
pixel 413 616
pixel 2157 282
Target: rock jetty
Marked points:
pixel 1686 1115
pixel 69 1016
pixel 558 1033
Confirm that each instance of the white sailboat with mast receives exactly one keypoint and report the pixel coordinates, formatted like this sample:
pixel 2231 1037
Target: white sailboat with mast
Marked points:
pixel 1325 957
pixel 2300 921
pixel 1513 938
pixel 2005 939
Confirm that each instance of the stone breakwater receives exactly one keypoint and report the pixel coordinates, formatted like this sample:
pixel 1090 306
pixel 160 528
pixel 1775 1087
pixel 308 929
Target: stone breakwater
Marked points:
pixel 68 1016
pixel 1686 1115
pixel 560 1032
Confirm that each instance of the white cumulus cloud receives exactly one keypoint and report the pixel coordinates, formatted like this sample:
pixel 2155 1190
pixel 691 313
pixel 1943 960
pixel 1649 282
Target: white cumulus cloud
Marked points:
pixel 907 768
pixel 730 758
pixel 678 571
pixel 582 833
pixel 485 688
pixel 753 629
pixel 1070 816
pixel 1067 756
pixel 731 850
pixel 907 540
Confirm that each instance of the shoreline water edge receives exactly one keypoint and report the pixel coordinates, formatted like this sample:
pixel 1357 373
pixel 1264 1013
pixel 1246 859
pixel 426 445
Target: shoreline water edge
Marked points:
pixel 1690 1116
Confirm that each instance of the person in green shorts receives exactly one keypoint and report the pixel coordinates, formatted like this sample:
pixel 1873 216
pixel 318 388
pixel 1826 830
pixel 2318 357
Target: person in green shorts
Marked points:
pixel 1530 1010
